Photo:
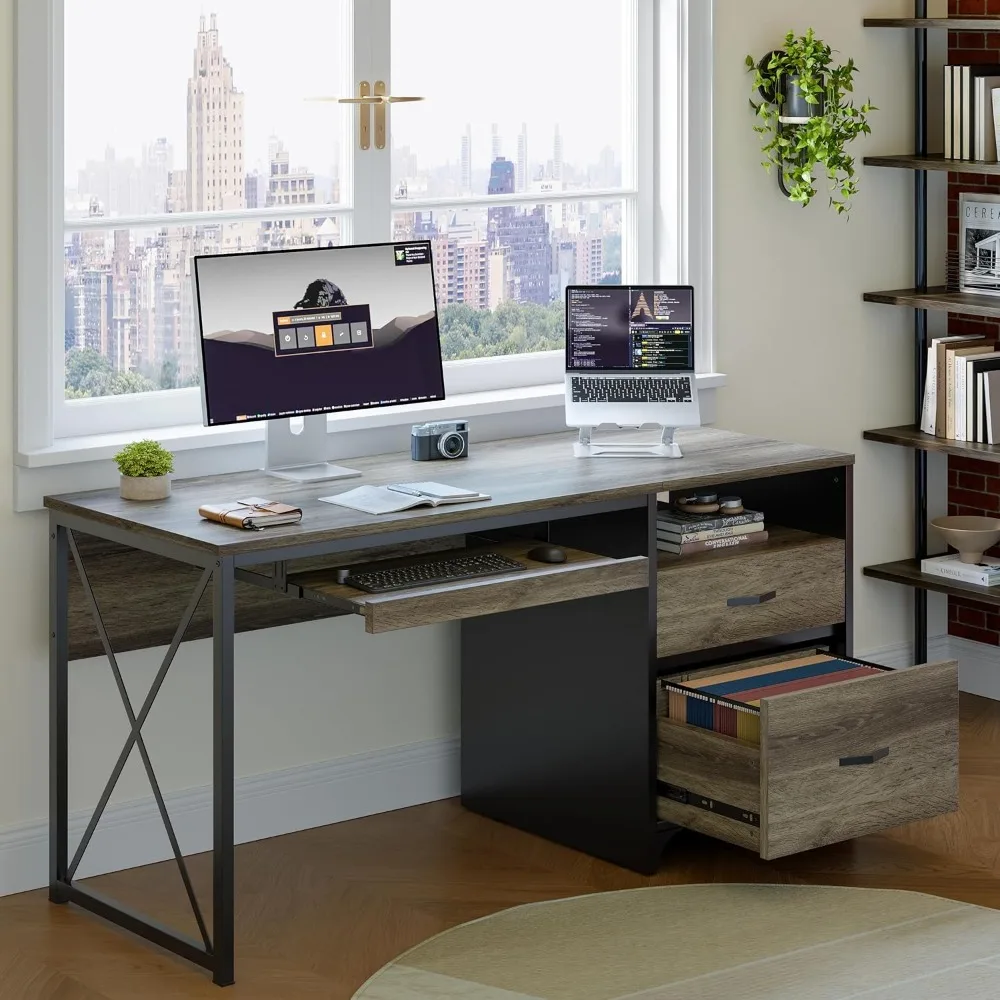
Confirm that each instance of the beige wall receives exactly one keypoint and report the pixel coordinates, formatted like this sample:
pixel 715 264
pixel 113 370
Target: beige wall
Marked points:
pixel 806 360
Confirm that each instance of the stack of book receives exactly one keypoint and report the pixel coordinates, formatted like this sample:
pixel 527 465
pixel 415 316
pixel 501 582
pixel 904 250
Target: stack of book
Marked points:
pixel 962 391
pixel 971 105
pixel 985 573
pixel 684 534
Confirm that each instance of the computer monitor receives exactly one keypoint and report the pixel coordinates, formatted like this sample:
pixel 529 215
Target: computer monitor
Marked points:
pixel 313 331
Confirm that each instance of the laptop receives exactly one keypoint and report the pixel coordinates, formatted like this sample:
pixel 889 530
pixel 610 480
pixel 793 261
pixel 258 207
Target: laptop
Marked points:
pixel 630 356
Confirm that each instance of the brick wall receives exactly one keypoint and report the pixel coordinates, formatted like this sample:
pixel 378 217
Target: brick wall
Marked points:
pixel 973 486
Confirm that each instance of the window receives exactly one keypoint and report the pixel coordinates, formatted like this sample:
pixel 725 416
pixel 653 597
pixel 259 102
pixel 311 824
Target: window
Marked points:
pixel 523 182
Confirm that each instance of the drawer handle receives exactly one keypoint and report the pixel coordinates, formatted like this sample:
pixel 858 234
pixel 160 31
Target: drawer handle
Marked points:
pixel 869 758
pixel 751 599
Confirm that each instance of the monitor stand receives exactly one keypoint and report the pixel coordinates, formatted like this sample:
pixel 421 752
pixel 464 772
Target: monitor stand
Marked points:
pixel 666 447
pixel 301 457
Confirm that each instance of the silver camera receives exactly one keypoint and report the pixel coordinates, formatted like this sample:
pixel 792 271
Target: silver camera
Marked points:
pixel 445 439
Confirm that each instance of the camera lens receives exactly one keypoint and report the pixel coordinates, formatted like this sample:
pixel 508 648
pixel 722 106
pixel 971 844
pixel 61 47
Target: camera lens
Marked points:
pixel 452 445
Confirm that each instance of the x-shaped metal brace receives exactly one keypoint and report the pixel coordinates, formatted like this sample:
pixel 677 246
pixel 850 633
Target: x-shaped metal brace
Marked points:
pixel 135 735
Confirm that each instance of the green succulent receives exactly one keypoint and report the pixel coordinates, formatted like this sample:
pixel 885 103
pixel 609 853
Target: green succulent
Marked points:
pixel 798 149
pixel 144 459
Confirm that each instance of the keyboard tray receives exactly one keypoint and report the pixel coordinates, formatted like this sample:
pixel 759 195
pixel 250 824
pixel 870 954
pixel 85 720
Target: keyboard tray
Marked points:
pixel 582 575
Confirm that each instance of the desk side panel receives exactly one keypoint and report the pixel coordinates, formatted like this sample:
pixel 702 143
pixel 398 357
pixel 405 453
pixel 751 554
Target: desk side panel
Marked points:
pixel 556 724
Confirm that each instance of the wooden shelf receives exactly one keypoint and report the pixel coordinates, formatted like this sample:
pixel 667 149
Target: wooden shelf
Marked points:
pixel 939 299
pixel 913 437
pixel 933 161
pixel 951 23
pixel 907 573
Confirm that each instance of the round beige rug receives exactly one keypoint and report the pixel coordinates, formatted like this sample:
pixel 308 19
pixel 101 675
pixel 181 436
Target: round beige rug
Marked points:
pixel 702 942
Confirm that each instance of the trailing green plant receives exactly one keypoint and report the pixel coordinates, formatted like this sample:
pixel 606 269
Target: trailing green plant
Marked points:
pixel 144 459
pixel 798 149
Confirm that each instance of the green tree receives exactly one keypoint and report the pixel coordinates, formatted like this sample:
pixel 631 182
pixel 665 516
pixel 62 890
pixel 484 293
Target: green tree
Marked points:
pixel 169 375
pixel 81 364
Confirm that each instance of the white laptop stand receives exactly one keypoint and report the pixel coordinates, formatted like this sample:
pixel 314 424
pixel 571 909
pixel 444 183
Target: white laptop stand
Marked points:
pixel 666 447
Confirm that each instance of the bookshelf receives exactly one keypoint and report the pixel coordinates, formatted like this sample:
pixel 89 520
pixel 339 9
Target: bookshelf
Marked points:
pixel 922 23
pixel 923 299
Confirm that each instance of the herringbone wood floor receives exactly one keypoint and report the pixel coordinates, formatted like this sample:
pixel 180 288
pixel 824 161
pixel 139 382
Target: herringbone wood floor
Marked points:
pixel 318 912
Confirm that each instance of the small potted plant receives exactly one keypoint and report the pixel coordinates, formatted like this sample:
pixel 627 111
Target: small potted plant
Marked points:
pixel 145 468
pixel 807 119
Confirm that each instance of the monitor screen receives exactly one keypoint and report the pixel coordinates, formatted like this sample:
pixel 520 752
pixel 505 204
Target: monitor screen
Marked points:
pixel 648 328
pixel 298 332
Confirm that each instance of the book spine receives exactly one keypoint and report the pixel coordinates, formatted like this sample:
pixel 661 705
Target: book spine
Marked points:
pixel 949 395
pixel 960 370
pixel 996 122
pixel 707 534
pixel 930 393
pixel 966 112
pixel 988 403
pixel 951 571
pixel 981 107
pixel 670 524
pixel 714 545
pixel 949 146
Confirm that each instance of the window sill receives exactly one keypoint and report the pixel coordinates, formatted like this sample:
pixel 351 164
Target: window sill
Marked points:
pixel 85 463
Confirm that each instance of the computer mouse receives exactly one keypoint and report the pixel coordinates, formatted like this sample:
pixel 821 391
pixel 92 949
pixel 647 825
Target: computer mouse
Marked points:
pixel 547 554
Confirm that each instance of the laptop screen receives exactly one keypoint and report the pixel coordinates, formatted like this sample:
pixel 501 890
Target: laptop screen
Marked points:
pixel 640 328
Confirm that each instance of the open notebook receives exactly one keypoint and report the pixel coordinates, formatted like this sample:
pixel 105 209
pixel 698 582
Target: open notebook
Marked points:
pixel 403 496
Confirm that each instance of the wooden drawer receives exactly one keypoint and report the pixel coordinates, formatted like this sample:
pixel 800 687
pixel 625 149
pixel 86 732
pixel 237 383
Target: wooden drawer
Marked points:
pixel 833 763
pixel 584 574
pixel 794 581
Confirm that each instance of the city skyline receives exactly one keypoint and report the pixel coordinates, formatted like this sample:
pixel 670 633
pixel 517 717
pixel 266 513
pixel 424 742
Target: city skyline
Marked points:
pixel 97 52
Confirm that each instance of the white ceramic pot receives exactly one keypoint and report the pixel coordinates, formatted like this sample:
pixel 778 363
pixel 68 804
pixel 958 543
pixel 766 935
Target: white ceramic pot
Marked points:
pixel 145 487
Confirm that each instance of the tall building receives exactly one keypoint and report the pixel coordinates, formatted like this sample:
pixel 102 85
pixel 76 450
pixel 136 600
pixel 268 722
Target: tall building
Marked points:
pixel 496 143
pixel 557 156
pixel 254 189
pixel 115 183
pixel 119 344
pixel 215 131
pixel 461 267
pixel 525 237
pixel 157 163
pixel 501 182
pixel 522 158
pixel 466 161
pixel 287 186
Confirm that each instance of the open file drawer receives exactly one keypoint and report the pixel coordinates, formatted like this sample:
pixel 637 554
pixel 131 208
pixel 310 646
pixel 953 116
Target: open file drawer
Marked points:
pixel 833 763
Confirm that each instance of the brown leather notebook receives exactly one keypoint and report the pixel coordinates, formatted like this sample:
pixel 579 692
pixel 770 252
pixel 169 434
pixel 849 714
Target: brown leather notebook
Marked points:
pixel 253 513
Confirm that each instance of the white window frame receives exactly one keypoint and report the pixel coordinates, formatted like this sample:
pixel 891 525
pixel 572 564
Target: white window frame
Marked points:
pixel 668 203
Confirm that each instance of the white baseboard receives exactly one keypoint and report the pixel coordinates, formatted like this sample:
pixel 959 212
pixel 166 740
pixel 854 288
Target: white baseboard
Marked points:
pixel 280 802
pixel 266 805
pixel 978 664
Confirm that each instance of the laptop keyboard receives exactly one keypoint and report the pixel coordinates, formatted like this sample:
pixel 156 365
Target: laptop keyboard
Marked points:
pixel 632 390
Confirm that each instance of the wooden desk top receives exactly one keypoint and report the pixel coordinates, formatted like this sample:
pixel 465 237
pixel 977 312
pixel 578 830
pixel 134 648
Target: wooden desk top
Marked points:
pixel 521 474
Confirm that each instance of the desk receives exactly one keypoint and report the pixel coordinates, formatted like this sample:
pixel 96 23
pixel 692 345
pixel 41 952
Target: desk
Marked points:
pixel 558 674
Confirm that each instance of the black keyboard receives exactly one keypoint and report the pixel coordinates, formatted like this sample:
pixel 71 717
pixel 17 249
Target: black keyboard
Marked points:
pixel 423 574
pixel 628 389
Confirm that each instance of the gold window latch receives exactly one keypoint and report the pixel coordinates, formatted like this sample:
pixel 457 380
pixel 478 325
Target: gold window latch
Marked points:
pixel 366 99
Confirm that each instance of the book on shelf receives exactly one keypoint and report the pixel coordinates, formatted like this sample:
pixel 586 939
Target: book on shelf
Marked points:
pixel 985 573
pixel 928 418
pixel 706 534
pixel 976 368
pixel 991 393
pixel 964 390
pixel 713 544
pixel 970 132
pixel 670 519
pixel 984 127
pixel 945 427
